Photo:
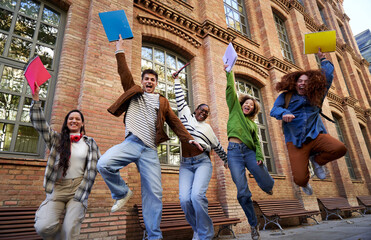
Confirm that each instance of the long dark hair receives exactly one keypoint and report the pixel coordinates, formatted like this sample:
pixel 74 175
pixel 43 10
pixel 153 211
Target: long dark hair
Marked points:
pixel 64 147
pixel 316 87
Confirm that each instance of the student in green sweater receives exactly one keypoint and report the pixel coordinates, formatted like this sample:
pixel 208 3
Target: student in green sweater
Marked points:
pixel 244 150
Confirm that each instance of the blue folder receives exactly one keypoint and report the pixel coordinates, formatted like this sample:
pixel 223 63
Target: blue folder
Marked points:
pixel 115 23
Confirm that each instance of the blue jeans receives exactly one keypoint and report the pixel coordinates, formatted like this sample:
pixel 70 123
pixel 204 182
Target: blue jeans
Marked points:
pixel 194 177
pixel 146 159
pixel 239 158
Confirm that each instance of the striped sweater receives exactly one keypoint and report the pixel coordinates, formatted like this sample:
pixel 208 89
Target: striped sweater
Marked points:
pixel 200 131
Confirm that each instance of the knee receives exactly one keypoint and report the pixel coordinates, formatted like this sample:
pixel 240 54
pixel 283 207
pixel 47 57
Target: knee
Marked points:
pixel 342 150
pixel 45 228
pixel 184 200
pixel 198 198
pixel 302 182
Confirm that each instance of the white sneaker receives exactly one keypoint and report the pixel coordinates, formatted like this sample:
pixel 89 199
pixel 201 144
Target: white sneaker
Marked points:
pixel 307 189
pixel 121 202
pixel 195 236
pixel 318 169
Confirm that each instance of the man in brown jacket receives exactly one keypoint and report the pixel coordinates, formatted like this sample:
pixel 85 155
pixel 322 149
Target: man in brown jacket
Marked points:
pixel 145 114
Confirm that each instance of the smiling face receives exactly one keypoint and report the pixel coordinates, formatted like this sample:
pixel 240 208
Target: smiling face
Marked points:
pixel 201 113
pixel 301 84
pixel 248 107
pixel 74 122
pixel 149 83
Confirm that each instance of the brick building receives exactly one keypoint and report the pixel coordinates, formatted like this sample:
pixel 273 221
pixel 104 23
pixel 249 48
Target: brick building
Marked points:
pixel 268 37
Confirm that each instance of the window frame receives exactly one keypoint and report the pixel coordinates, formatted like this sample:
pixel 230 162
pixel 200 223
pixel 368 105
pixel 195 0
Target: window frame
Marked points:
pixel 348 160
pixel 8 61
pixel 282 25
pixel 235 11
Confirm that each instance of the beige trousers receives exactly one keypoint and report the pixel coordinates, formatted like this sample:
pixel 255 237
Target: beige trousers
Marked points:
pixel 48 216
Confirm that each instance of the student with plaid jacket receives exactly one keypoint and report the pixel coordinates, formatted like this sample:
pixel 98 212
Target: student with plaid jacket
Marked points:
pixel 69 175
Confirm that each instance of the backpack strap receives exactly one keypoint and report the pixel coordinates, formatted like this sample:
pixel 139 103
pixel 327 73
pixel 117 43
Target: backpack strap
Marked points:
pixel 288 96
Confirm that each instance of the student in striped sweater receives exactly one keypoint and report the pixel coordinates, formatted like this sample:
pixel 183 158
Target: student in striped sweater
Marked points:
pixel 244 150
pixel 195 167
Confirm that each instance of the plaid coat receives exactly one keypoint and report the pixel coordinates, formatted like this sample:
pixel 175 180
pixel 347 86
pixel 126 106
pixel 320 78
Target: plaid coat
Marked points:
pixel 52 139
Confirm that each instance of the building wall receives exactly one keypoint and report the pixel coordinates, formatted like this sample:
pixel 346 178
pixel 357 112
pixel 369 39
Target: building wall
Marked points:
pixel 197 30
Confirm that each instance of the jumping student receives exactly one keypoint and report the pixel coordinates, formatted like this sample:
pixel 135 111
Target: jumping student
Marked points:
pixel 69 175
pixel 299 107
pixel 244 150
pixel 195 167
pixel 146 112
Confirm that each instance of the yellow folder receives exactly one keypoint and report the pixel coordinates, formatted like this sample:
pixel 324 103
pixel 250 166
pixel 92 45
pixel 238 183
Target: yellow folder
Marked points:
pixel 325 40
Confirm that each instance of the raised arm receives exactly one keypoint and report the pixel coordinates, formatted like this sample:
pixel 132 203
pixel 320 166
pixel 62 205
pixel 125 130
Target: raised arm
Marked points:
pixel 183 108
pixel 127 80
pixel 230 92
pixel 38 120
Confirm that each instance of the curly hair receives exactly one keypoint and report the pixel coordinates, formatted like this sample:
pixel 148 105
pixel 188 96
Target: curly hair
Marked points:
pixel 64 147
pixel 315 89
pixel 242 99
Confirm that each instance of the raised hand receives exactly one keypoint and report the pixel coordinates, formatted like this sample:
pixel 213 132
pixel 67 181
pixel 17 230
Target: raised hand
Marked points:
pixel 35 95
pixel 320 54
pixel 120 44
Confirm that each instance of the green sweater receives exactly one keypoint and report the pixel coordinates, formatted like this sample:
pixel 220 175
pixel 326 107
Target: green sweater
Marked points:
pixel 239 125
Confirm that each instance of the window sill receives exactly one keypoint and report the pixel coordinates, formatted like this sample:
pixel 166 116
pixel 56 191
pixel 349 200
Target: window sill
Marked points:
pixel 274 176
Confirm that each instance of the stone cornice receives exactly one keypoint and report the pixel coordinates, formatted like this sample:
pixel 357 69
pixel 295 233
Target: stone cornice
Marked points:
pixel 283 66
pixel 364 62
pixel 295 4
pixel 252 66
pixel 249 54
pixel 211 28
pixel 170 28
pixel 335 101
pixel 350 101
pixel 283 4
pixel 245 38
pixel 360 113
pixel 170 14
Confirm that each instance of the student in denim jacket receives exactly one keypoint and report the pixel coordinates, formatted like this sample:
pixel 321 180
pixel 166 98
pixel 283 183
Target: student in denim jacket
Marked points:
pixel 305 135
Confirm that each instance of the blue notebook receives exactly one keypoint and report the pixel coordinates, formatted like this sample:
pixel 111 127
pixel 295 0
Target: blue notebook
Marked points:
pixel 115 23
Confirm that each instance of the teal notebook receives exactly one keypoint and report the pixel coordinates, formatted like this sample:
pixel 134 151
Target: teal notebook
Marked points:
pixel 115 23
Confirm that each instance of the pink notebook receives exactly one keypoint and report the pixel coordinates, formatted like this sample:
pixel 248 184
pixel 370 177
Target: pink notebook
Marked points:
pixel 36 72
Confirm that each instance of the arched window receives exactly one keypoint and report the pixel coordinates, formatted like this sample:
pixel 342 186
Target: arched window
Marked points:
pixel 27 28
pixel 165 62
pixel 341 137
pixel 283 38
pixel 245 87
pixel 235 15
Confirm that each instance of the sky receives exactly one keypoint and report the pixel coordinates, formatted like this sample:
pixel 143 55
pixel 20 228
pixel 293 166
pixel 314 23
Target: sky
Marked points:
pixel 359 12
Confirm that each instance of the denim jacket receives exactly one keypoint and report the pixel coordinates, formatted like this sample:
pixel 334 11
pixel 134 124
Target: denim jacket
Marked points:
pixel 307 123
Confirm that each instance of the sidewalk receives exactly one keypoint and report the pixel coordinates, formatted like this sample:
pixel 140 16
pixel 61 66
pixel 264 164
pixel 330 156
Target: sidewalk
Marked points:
pixel 354 228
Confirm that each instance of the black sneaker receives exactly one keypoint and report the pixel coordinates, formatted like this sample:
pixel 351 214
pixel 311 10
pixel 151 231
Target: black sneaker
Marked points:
pixel 255 235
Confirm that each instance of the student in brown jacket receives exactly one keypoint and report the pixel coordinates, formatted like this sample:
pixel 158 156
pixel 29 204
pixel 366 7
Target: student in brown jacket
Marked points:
pixel 145 114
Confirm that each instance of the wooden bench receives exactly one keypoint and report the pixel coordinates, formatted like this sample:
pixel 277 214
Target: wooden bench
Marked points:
pixel 173 218
pixel 335 205
pixel 365 201
pixel 274 210
pixel 17 223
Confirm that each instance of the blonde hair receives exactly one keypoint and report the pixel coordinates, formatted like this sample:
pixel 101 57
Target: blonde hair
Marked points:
pixel 242 99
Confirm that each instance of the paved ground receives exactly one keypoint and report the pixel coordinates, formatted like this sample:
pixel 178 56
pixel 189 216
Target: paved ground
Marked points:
pixel 354 228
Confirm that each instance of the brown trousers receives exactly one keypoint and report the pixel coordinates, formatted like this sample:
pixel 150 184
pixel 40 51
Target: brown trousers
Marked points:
pixel 324 147
pixel 47 219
